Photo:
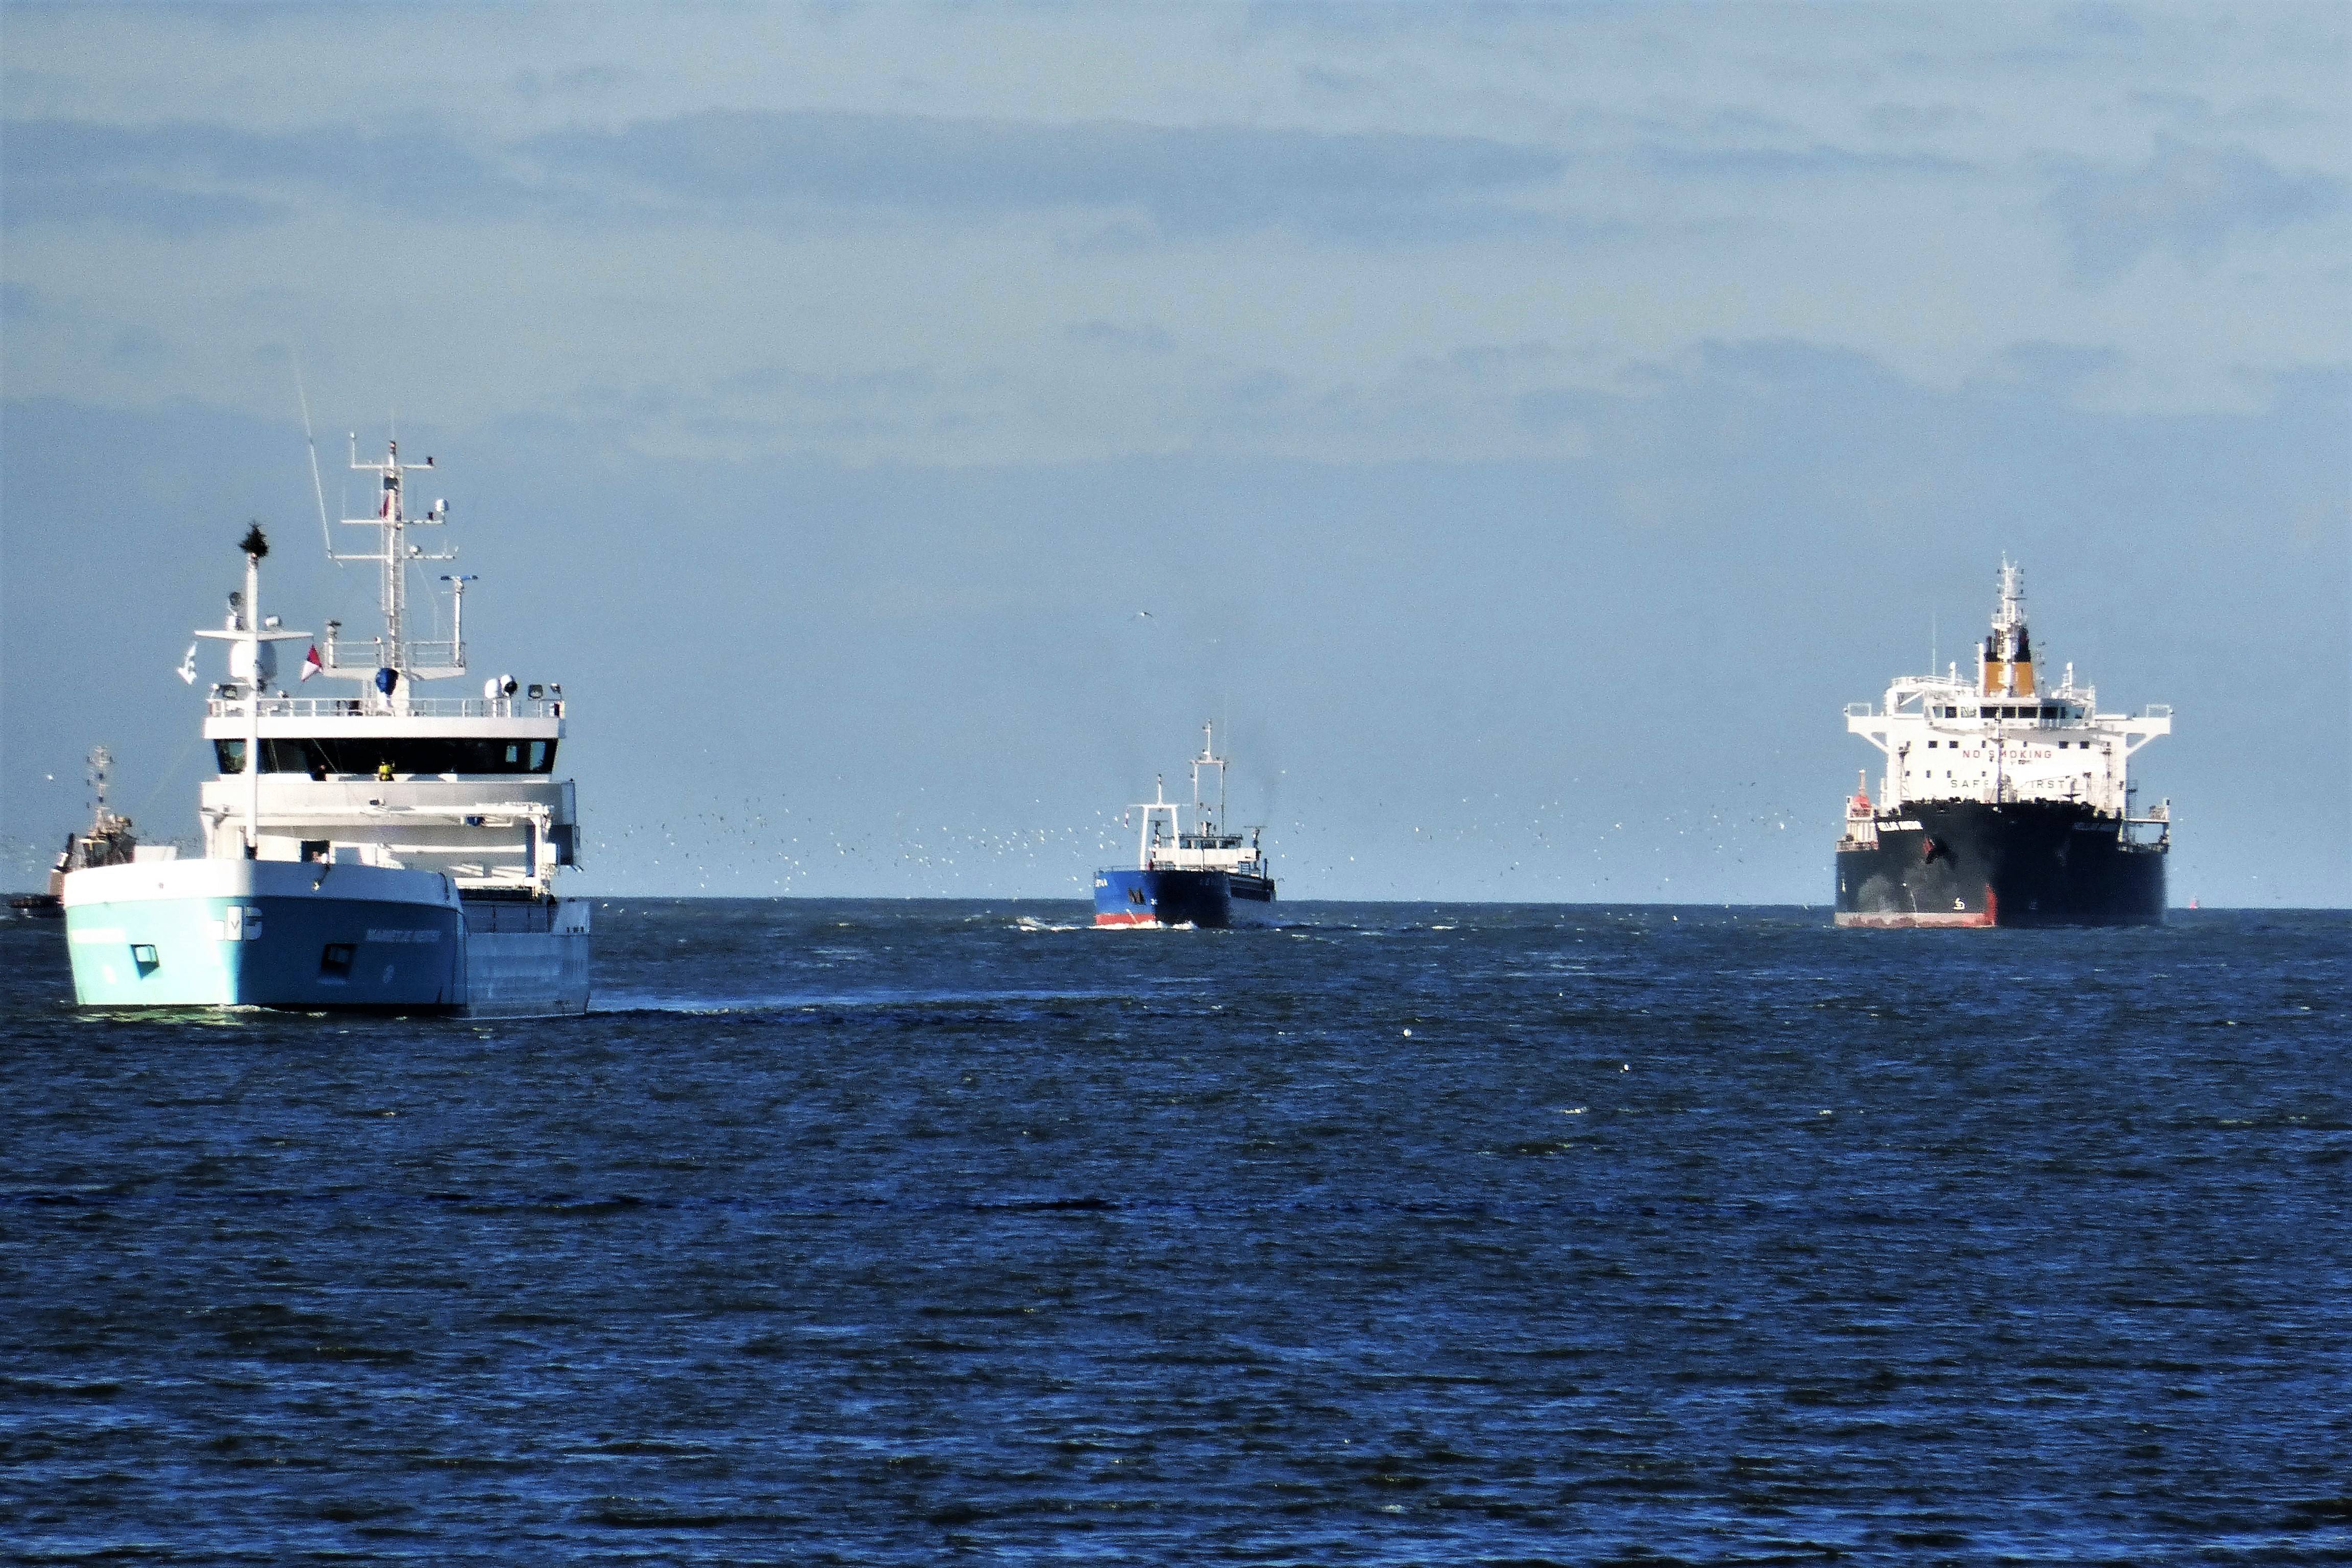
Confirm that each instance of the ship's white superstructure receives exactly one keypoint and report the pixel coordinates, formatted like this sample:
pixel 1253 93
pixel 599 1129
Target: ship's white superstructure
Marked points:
pixel 2003 736
pixel 462 786
pixel 1164 844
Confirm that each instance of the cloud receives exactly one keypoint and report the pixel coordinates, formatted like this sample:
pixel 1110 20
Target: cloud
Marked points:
pixel 1793 162
pixel 34 197
pixel 2099 21
pixel 2191 201
pixel 585 81
pixel 1147 339
pixel 2055 367
pixel 137 348
pixel 1902 120
pixel 732 166
pixel 185 176
pixel 1187 181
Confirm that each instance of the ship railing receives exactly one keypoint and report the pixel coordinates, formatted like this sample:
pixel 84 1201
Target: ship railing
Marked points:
pixel 2156 711
pixel 408 707
pixel 437 653
pixel 1861 710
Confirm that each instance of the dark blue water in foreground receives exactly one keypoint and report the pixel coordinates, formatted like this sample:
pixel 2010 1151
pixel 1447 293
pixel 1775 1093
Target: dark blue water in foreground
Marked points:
pixel 888 1233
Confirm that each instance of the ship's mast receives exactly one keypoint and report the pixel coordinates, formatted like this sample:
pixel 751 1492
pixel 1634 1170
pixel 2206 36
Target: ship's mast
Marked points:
pixel 254 548
pixel 255 661
pixel 404 658
pixel 2006 666
pixel 1152 810
pixel 1203 821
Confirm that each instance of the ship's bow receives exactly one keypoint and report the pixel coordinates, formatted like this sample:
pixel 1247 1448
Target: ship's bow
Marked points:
pixel 214 934
pixel 1970 864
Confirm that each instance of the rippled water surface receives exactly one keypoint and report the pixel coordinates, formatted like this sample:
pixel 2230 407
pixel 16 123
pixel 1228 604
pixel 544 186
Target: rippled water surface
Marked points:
pixel 891 1233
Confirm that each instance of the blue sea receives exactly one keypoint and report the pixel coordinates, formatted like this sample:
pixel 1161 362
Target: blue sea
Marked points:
pixel 888 1233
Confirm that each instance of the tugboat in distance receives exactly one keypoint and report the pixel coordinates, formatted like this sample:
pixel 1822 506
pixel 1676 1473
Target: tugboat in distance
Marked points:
pixel 1208 877
pixel 109 841
pixel 2004 803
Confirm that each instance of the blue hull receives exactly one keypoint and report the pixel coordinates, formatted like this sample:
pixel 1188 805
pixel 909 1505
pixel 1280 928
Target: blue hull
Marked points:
pixel 1210 899
pixel 259 933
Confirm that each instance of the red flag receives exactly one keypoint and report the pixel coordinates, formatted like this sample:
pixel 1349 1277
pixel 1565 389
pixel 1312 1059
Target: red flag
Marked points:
pixel 310 665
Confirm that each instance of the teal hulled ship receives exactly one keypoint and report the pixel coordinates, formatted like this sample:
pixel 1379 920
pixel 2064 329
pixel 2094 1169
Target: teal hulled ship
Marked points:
pixel 384 850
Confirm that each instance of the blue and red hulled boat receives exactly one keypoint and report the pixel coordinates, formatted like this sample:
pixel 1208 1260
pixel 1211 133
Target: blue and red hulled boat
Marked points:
pixel 1206 876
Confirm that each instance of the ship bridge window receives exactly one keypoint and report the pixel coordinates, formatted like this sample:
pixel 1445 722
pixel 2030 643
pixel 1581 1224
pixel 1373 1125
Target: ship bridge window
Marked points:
pixel 404 755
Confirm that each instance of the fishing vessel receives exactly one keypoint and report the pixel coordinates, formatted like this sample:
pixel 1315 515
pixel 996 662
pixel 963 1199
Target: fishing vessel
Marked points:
pixel 1206 875
pixel 382 850
pixel 109 840
pixel 2005 801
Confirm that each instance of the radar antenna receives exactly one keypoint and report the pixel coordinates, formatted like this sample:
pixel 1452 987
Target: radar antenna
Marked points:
pixel 395 657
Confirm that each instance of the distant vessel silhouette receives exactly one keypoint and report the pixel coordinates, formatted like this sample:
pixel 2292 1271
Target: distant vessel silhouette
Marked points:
pixel 109 840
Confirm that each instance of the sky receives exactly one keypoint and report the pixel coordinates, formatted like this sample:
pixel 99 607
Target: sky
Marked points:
pixel 898 428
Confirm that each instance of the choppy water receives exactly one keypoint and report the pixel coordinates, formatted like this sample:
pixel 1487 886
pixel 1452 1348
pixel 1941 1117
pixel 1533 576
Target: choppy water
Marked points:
pixel 884 1232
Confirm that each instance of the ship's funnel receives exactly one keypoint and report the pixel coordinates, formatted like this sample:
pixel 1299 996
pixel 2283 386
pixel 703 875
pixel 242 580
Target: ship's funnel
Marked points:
pixel 2006 665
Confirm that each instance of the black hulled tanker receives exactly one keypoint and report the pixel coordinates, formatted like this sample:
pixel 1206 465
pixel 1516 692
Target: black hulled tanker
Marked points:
pixel 2004 803
pixel 2026 863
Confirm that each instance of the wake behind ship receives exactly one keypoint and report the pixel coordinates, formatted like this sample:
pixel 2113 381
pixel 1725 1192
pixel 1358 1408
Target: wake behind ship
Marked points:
pixel 383 851
pixel 2004 803
pixel 1207 876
